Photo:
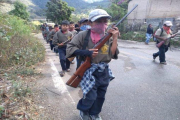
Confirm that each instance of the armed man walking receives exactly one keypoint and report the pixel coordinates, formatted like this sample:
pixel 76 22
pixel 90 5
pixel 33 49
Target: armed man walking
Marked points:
pixel 60 39
pixel 163 34
pixel 52 33
pixel 96 79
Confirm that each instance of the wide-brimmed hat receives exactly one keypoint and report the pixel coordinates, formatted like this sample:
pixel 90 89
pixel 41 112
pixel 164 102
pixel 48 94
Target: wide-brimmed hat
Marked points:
pixel 98 13
pixel 168 23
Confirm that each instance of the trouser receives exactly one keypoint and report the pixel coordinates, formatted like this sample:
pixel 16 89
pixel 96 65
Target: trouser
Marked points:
pixel 162 50
pixel 51 45
pixel 148 37
pixel 78 62
pixel 43 32
pixel 56 49
pixel 95 98
pixel 65 63
pixel 47 39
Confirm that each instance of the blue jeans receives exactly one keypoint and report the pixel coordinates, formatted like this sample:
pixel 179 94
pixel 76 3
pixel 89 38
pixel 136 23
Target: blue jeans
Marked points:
pixel 51 45
pixel 65 63
pixel 162 50
pixel 95 98
pixel 148 37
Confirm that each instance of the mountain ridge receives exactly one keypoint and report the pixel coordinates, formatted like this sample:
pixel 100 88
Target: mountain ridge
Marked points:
pixel 37 7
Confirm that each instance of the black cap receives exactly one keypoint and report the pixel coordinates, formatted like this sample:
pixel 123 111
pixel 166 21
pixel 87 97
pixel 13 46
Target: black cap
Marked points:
pixel 56 25
pixel 83 20
pixel 65 22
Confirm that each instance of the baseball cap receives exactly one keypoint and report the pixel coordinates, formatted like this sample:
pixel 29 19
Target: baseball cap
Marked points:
pixel 168 23
pixel 98 13
pixel 83 20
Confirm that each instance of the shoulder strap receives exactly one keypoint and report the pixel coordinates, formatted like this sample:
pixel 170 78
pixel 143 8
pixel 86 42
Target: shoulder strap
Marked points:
pixel 161 31
pixel 86 40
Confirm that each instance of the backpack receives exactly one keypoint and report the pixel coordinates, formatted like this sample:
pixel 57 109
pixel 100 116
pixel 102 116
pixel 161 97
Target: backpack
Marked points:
pixel 154 38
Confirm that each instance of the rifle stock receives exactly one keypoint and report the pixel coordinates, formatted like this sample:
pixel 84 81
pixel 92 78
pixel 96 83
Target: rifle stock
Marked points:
pixel 77 76
pixel 159 44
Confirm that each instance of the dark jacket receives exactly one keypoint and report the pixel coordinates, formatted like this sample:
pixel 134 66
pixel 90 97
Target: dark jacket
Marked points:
pixel 149 30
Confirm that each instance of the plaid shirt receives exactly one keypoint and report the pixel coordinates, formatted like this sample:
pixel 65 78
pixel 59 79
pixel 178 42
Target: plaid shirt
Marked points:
pixel 88 80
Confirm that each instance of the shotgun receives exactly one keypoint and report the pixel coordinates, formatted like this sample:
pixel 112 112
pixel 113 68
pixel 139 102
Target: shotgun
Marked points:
pixel 162 42
pixel 77 76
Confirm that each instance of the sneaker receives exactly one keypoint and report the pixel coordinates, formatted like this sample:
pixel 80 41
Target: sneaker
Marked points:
pixel 154 57
pixel 68 70
pixel 95 117
pixel 62 73
pixel 84 115
pixel 164 63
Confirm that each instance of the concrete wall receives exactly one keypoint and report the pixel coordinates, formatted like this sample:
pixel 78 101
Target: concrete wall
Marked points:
pixel 148 9
pixel 163 8
pixel 140 12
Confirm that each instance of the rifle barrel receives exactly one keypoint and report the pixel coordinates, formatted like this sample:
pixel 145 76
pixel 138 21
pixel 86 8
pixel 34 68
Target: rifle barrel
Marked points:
pixel 125 16
pixel 115 26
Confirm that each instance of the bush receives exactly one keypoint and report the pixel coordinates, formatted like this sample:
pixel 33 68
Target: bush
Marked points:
pixel 17 45
pixel 136 36
pixel 127 36
pixel 141 36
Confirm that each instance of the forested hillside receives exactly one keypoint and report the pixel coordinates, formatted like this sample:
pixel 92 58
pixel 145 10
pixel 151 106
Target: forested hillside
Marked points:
pixel 37 7
pixel 79 5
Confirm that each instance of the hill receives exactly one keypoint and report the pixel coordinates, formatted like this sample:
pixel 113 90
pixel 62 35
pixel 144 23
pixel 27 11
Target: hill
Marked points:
pixel 37 7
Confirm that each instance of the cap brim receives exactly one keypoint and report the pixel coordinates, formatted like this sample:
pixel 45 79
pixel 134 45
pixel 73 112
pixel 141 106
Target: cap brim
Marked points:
pixel 100 16
pixel 84 21
pixel 170 25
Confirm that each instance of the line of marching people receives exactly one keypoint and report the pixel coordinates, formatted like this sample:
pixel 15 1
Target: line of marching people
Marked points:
pixel 95 81
pixel 59 36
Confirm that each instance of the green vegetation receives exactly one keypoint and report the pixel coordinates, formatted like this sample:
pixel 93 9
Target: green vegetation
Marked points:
pixel 1 110
pixel 17 46
pixel 58 10
pixel 128 32
pixel 20 10
pixel 137 36
pixel 19 50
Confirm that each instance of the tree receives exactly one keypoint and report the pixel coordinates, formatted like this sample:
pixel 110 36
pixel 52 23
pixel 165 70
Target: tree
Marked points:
pixel 117 10
pixel 20 10
pixel 58 10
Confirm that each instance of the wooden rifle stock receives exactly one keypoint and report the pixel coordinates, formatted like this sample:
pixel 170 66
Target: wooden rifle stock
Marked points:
pixel 159 44
pixel 77 76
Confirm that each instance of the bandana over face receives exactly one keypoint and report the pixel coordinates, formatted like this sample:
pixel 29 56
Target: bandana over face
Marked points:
pixel 98 31
pixel 167 29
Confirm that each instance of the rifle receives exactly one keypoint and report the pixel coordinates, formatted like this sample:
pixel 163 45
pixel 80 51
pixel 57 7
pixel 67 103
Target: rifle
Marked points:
pixel 162 42
pixel 77 76
pixel 65 42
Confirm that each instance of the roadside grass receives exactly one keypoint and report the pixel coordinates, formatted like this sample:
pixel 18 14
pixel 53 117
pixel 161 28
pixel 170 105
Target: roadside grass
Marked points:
pixel 140 36
pixel 135 36
pixel 16 95
pixel 19 51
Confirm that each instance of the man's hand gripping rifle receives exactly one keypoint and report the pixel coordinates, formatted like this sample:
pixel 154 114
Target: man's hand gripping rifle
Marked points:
pixel 77 76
